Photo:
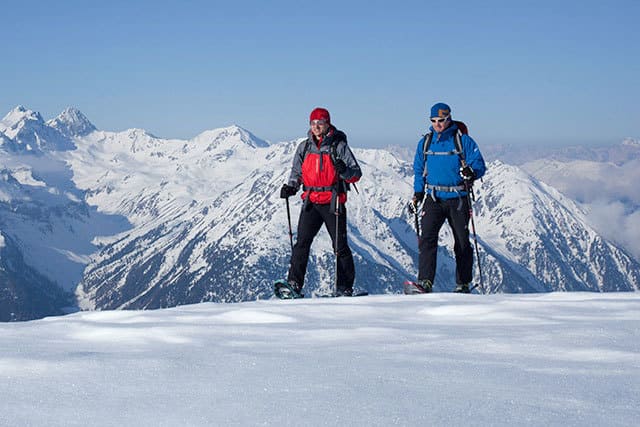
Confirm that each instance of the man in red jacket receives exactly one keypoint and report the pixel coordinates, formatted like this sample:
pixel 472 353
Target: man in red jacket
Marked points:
pixel 324 165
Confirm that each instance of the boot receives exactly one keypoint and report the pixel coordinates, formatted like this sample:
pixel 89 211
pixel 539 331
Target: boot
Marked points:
pixel 426 285
pixel 346 292
pixel 423 286
pixel 462 288
pixel 287 290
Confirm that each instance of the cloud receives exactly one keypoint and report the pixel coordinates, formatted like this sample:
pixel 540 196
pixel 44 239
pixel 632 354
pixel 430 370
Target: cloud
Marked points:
pixel 616 223
pixel 609 192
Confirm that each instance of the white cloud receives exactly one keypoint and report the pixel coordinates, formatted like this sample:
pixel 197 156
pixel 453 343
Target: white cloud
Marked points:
pixel 610 193
pixel 616 223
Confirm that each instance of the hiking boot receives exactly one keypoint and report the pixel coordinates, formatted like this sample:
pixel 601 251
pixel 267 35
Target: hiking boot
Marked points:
pixel 347 292
pixel 425 285
pixel 287 290
pixel 462 288
pixel 295 287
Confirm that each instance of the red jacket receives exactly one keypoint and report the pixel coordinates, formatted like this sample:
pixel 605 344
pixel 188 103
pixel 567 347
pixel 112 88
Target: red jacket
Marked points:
pixel 313 167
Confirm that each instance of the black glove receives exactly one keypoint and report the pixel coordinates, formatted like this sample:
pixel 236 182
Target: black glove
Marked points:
pixel 467 174
pixel 413 204
pixel 287 191
pixel 339 166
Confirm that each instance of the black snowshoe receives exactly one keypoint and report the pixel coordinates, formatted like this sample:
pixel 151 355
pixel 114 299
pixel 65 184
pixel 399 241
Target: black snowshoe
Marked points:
pixel 287 290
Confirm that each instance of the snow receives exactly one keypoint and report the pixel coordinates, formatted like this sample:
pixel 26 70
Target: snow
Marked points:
pixel 441 359
pixel 25 177
pixel 71 122
pixel 16 119
pixel 608 190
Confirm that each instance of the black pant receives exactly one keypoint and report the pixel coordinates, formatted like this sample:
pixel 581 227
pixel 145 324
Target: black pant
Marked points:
pixel 434 213
pixel 311 219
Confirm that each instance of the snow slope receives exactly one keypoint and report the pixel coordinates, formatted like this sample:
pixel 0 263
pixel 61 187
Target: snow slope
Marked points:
pixel 608 191
pixel 554 359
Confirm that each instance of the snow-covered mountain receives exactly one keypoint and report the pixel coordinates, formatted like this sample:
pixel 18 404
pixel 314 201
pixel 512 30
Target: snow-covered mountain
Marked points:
pixel 166 222
pixel 49 231
pixel 531 224
pixel 72 123
pixel 24 130
pixel 24 292
pixel 607 190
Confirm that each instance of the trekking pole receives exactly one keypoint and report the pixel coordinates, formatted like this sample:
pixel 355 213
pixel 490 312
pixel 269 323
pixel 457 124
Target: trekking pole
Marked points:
pixel 335 244
pixel 413 208
pixel 289 220
pixel 334 157
pixel 416 221
pixel 475 237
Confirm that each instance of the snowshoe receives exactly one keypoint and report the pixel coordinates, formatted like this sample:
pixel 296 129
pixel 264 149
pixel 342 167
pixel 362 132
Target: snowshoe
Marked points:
pixel 345 293
pixel 287 290
pixel 349 292
pixel 419 287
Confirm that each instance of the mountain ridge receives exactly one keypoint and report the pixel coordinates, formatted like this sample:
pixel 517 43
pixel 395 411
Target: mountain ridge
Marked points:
pixel 200 220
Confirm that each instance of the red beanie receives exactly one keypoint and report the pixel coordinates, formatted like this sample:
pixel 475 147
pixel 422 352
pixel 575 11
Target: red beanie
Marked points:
pixel 320 114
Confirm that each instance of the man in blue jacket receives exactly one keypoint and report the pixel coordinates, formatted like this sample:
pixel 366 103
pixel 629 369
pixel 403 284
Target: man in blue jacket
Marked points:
pixel 443 177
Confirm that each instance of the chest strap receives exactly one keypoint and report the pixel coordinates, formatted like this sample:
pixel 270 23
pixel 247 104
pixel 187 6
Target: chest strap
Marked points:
pixel 318 189
pixel 427 152
pixel 442 153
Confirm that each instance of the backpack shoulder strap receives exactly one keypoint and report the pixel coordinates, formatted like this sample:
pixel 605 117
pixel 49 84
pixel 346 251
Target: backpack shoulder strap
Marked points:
pixel 306 148
pixel 458 142
pixel 334 150
pixel 427 142
pixel 341 185
pixel 425 149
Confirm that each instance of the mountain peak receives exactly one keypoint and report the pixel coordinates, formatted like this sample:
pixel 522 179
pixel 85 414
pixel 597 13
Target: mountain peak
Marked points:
pixel 245 136
pixel 231 135
pixel 26 131
pixel 71 122
pixel 19 109
pixel 16 116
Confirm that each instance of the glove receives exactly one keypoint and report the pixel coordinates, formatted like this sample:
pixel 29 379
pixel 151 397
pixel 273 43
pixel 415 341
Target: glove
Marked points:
pixel 413 204
pixel 467 174
pixel 287 191
pixel 339 166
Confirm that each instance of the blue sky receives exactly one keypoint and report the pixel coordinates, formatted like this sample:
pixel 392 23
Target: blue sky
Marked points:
pixel 544 72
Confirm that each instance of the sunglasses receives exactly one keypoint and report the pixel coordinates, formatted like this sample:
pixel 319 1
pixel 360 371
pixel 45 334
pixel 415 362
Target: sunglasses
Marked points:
pixel 318 122
pixel 442 120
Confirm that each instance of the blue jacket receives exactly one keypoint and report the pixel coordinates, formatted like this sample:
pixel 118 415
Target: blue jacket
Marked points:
pixel 444 170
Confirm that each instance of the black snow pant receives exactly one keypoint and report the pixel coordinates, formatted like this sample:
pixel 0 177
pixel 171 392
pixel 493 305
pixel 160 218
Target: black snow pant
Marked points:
pixel 434 213
pixel 311 219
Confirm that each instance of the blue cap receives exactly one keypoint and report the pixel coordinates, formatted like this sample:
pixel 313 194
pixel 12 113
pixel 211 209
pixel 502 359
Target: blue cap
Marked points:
pixel 440 110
